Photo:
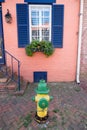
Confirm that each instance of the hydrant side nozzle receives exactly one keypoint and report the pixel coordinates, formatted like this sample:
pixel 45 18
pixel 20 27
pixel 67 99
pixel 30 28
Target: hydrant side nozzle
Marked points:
pixel 43 103
pixel 51 98
pixel 33 98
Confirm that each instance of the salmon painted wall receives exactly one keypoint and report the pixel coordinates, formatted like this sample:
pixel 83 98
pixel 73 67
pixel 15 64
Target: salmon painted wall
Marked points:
pixel 61 66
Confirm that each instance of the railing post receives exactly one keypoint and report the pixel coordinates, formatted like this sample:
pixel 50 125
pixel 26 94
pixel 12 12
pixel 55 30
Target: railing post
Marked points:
pixel 6 63
pixel 18 75
pixel 12 66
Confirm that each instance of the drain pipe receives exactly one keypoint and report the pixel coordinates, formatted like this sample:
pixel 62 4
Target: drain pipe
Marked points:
pixel 79 42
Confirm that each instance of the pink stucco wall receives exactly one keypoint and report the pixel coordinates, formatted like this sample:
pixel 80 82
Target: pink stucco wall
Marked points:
pixel 61 66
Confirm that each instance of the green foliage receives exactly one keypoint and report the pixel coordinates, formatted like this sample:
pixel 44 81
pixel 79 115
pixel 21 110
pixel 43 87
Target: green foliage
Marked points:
pixel 77 89
pixel 27 120
pixel 39 46
pixel 56 110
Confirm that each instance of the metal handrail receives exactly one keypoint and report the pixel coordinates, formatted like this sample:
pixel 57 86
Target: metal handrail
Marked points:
pixel 12 67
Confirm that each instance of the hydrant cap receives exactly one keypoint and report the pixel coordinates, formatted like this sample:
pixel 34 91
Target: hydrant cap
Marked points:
pixel 42 88
pixel 43 103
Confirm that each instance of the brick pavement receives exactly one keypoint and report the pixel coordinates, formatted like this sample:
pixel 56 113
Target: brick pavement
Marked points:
pixel 67 111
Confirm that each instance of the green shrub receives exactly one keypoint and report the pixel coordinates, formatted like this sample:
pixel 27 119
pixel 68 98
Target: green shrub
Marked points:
pixel 27 120
pixel 43 46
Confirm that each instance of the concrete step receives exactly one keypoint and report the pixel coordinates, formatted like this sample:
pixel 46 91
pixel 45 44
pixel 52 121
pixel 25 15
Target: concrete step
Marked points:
pixel 3 90
pixel 3 80
pixel 7 86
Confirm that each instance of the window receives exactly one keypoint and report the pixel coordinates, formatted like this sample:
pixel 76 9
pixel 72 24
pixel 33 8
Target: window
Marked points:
pixel 40 22
pixel 39 75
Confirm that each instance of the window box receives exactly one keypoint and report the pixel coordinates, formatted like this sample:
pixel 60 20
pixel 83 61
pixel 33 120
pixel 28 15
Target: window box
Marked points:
pixel 42 46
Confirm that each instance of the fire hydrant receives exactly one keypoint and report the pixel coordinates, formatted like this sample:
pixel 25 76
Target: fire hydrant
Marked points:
pixel 42 99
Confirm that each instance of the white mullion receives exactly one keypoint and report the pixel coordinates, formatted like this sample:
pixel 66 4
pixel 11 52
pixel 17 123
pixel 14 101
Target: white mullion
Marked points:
pixel 50 21
pixel 30 23
pixel 36 26
pixel 40 25
pixel 43 21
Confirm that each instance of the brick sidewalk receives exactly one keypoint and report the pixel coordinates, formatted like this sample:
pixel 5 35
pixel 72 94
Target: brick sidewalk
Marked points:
pixel 67 111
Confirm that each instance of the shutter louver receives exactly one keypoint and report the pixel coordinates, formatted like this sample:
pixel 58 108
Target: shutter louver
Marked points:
pixel 57 25
pixel 23 26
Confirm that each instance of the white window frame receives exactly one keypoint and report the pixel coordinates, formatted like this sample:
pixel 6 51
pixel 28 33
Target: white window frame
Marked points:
pixel 50 23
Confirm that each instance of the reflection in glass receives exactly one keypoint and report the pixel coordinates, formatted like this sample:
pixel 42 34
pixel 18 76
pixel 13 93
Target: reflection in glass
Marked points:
pixel 35 34
pixel 35 13
pixel 35 21
pixel 45 13
pixel 45 21
pixel 35 17
pixel 45 34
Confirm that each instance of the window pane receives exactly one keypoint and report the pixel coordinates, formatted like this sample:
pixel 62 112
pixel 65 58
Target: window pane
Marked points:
pixel 35 13
pixel 45 17
pixel 35 17
pixel 45 13
pixel 35 38
pixel 45 38
pixel 45 21
pixel 45 31
pixel 45 34
pixel 35 34
pixel 35 21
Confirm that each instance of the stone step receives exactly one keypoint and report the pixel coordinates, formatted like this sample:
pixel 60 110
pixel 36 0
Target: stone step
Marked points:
pixel 3 80
pixel 7 91
pixel 3 91
pixel 11 87
pixel 2 85
pixel 7 87
pixel 6 84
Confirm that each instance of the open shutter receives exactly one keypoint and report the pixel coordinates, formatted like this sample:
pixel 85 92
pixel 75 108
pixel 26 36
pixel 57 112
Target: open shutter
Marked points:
pixel 22 24
pixel 57 25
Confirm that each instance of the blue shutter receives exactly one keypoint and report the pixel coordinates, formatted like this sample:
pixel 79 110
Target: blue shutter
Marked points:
pixel 22 24
pixel 2 0
pixel 57 25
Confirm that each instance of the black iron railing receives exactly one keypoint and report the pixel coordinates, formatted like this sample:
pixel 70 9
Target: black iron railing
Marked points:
pixel 12 62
